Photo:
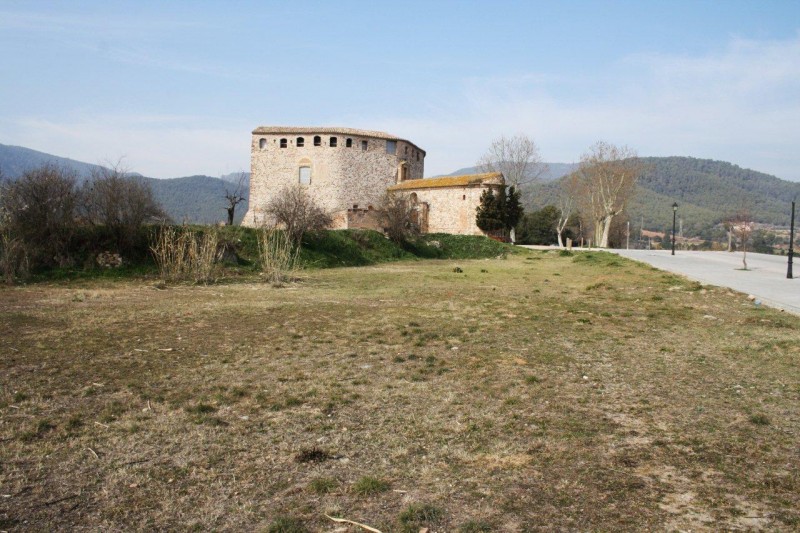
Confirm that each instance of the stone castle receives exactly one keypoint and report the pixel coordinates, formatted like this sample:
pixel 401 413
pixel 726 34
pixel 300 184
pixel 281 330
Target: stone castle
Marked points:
pixel 348 171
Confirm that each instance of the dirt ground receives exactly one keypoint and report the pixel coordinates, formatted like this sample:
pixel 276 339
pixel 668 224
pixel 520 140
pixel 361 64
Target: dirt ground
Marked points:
pixel 538 392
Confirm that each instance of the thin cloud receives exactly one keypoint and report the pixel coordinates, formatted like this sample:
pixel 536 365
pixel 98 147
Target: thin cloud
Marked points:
pixel 740 105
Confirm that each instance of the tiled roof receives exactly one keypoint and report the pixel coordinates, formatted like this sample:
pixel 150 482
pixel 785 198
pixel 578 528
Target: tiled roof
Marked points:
pixel 490 178
pixel 310 130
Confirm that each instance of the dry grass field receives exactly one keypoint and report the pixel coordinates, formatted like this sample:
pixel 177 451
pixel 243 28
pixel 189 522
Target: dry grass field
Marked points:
pixel 538 392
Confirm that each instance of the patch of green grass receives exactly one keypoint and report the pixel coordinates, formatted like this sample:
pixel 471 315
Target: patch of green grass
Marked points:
pixel 201 409
pixel 760 420
pixel 287 524
pixel 475 526
pixel 323 485
pixel 418 515
pixel 368 486
pixel 603 259
pixel 19 397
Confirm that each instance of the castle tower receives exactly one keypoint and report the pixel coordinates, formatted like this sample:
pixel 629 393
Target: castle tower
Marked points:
pixel 343 169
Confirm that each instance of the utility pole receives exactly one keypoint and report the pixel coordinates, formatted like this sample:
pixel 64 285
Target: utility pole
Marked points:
pixel 791 244
pixel 674 212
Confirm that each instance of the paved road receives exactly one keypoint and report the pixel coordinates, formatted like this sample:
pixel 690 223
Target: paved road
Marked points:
pixel 765 279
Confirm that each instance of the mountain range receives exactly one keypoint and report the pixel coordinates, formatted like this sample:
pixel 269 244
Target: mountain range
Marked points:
pixel 706 190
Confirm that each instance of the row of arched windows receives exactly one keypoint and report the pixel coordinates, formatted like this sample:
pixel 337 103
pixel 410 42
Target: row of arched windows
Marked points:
pixel 300 142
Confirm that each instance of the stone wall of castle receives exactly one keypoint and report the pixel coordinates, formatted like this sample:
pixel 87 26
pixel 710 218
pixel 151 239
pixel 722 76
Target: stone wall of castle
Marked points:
pixel 347 169
pixel 451 209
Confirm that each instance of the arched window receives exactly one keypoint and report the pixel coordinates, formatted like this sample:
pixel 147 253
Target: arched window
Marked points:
pixel 317 140
pixel 301 142
pixel 402 172
pixel 262 143
pixel 332 142
pixel 284 143
pixel 349 143
pixel 305 175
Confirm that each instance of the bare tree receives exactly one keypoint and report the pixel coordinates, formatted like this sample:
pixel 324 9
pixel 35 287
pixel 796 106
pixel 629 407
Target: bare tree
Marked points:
pixel 566 205
pixel 120 202
pixel 742 229
pixel 398 214
pixel 516 157
pixel 235 196
pixel 297 212
pixel 39 212
pixel 728 224
pixel 603 185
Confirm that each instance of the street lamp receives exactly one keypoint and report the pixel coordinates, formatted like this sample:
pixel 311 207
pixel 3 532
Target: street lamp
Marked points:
pixel 674 212
pixel 791 244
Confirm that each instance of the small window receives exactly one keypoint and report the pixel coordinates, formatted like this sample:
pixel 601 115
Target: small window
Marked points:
pixel 417 153
pixel 301 142
pixel 332 142
pixel 349 143
pixel 364 145
pixel 355 206
pixel 391 147
pixel 305 175
pixel 463 196
pixel 317 140
pixel 284 143
pixel 262 143
pixel 406 152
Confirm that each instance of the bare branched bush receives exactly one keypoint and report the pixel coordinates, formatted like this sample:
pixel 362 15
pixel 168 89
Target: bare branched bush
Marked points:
pixel 278 255
pixel 399 217
pixel 39 211
pixel 183 255
pixel 121 202
pixel 295 210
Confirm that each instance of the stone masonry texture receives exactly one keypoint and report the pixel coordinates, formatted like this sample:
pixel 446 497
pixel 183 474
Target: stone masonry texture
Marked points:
pixel 342 177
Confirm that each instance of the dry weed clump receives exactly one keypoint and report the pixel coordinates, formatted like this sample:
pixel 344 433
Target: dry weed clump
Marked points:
pixel 13 257
pixel 183 255
pixel 278 255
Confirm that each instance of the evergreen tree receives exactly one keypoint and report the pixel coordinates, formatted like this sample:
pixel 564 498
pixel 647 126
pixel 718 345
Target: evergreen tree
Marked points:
pixel 490 211
pixel 499 212
pixel 513 208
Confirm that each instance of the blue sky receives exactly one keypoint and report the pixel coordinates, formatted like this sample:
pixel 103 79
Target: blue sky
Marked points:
pixel 175 88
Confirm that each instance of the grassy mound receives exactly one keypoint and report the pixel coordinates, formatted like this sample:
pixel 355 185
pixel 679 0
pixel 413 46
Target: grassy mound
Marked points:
pixel 324 249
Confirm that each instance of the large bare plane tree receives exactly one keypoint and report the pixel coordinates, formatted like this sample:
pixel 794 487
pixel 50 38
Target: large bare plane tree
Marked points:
pixel 516 157
pixel 603 185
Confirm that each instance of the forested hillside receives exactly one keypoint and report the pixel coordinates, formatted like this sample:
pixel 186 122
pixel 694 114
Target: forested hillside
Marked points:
pixel 194 199
pixel 706 191
pixel 16 160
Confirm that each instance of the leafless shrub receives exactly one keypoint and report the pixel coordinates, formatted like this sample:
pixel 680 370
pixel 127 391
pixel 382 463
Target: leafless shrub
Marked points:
pixel 279 257
pixel 183 255
pixel 121 202
pixel 39 211
pixel 398 214
pixel 297 212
